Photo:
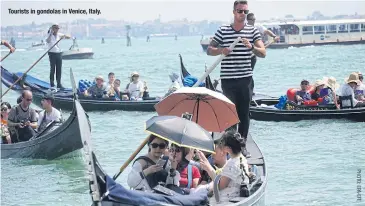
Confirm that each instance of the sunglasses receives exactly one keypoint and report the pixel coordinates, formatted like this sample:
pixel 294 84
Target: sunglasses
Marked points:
pixel 155 145
pixel 305 84
pixel 240 11
pixel 177 150
pixel 4 109
pixel 29 100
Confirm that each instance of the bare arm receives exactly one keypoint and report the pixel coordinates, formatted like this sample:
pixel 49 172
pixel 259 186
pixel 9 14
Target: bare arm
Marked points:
pixel 213 49
pixel 223 182
pixel 34 125
pixel 270 33
pixel 259 49
pixel 5 43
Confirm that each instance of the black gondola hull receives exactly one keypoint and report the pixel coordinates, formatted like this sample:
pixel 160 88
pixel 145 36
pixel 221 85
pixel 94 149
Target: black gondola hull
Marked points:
pixel 62 140
pixel 315 113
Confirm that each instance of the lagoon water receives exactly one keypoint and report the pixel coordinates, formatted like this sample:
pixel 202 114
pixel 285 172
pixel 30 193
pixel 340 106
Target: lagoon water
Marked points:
pixel 309 162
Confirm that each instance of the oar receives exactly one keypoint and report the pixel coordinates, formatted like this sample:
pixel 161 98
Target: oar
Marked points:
pixel 30 68
pixel 211 68
pixel 129 160
pixel 273 41
pixel 5 57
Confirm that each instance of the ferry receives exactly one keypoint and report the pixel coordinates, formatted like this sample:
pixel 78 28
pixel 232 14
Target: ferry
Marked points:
pixel 323 32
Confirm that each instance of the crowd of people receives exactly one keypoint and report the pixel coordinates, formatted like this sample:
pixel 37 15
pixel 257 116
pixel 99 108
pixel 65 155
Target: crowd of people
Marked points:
pixel 134 90
pixel 327 91
pixel 21 122
pixel 187 170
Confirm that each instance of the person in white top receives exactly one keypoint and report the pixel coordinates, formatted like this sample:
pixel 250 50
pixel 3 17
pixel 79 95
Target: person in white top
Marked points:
pixel 360 90
pixel 348 89
pixel 251 19
pixel 135 88
pixel 55 55
pixel 147 171
pixel 49 114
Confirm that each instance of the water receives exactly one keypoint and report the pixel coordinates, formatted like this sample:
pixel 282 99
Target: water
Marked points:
pixel 309 162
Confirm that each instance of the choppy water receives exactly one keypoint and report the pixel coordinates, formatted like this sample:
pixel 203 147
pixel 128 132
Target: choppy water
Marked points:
pixel 309 162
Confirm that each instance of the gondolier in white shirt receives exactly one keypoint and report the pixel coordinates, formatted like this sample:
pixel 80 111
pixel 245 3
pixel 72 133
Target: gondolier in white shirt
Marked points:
pixel 55 55
pixel 263 31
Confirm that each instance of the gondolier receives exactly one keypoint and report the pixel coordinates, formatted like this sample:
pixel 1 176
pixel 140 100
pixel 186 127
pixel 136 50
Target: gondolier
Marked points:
pixel 5 43
pixel 263 31
pixel 236 72
pixel 55 55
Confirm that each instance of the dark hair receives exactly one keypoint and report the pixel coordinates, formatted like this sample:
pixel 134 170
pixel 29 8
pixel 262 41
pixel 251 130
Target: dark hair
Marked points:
pixel 304 81
pixel 117 80
pixel 184 162
pixel 19 100
pixel 238 2
pixel 110 74
pixel 250 16
pixel 6 104
pixel 234 141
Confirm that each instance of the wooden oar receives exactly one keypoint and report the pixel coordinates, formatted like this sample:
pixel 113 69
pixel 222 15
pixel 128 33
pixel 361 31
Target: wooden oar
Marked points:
pixel 211 68
pixel 29 68
pixel 273 41
pixel 129 160
pixel 5 57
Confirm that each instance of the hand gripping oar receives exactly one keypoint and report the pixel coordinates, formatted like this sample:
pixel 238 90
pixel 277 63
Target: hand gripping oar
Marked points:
pixel 2 59
pixel 30 68
pixel 129 160
pixel 211 68
pixel 273 41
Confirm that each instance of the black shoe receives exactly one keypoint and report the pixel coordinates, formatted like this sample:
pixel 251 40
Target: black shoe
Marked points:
pixel 60 87
pixel 52 84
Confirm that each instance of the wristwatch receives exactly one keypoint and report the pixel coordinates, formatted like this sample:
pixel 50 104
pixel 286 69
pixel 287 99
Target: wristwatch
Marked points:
pixel 253 47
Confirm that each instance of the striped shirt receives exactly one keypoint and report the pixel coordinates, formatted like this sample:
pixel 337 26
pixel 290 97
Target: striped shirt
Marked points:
pixel 238 63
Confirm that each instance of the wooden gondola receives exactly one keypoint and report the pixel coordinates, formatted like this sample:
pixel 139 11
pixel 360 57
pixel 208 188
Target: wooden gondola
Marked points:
pixel 105 191
pixel 296 113
pixel 64 98
pixel 56 140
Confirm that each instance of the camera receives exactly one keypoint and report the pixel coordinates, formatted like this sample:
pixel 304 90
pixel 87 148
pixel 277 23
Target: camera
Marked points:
pixel 244 192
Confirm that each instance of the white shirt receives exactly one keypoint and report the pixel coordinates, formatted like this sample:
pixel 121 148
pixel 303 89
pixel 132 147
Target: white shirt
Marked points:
pixel 54 39
pixel 136 89
pixel 233 171
pixel 261 29
pixel 347 90
pixel 136 182
pixel 55 115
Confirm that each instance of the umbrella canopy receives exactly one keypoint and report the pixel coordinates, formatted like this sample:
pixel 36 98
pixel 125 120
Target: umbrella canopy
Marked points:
pixel 212 110
pixel 181 132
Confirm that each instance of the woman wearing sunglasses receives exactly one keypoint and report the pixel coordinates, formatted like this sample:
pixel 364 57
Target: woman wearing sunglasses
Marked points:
pixel 189 174
pixel 149 170
pixel 5 135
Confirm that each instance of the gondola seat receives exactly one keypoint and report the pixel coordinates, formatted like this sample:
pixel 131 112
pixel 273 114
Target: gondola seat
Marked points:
pixel 346 98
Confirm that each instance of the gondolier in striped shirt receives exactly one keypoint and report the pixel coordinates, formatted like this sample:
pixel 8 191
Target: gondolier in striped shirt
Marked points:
pixel 236 72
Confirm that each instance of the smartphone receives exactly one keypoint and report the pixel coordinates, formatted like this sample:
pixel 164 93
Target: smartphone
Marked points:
pixel 187 116
pixel 161 162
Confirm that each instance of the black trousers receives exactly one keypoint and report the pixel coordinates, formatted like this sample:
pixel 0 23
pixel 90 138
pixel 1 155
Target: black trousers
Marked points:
pixel 24 134
pixel 55 60
pixel 253 63
pixel 239 91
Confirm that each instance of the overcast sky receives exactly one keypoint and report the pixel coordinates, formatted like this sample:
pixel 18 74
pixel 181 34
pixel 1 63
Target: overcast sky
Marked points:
pixel 142 10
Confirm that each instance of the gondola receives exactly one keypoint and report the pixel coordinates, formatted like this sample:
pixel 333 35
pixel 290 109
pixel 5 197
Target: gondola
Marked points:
pixel 105 191
pixel 56 140
pixel 208 82
pixel 264 110
pixel 63 98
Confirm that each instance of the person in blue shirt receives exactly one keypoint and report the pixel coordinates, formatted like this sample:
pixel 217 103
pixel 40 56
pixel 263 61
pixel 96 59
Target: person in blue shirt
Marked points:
pixel 303 94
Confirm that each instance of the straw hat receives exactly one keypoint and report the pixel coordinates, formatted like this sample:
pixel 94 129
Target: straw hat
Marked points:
pixel 134 74
pixel 319 82
pixel 331 83
pixel 99 77
pixel 354 77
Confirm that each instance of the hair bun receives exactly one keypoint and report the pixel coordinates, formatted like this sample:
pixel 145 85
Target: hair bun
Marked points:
pixel 239 138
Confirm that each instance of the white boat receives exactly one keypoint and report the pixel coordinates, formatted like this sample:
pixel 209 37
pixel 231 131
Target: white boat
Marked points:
pixel 324 32
pixel 205 43
pixel 77 53
pixel 38 46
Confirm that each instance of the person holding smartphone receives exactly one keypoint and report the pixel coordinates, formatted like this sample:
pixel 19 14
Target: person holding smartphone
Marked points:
pixel 149 170
pixel 55 55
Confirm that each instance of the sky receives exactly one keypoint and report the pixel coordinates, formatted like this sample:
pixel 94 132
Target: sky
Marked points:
pixel 195 10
